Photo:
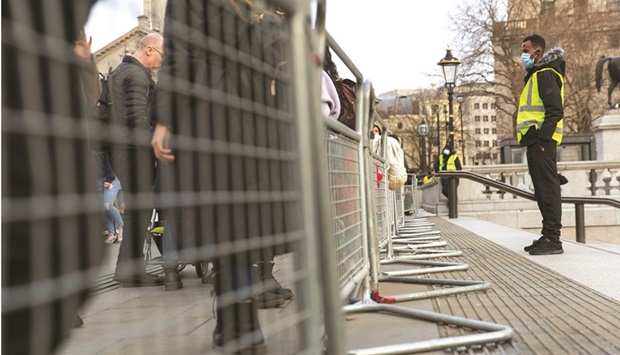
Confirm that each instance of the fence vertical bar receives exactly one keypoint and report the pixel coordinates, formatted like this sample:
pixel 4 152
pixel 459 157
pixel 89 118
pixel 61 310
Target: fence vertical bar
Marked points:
pixel 314 187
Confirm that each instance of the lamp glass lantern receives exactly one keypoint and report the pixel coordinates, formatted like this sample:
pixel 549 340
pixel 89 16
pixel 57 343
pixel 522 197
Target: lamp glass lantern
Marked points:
pixel 449 66
pixel 423 129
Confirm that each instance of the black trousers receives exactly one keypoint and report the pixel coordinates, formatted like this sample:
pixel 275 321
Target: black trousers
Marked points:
pixel 544 172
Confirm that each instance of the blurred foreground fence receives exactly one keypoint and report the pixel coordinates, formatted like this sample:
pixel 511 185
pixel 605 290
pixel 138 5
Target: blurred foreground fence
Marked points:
pixel 258 172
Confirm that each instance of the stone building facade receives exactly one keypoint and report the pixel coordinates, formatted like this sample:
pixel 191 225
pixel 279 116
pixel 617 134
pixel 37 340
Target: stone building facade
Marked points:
pixel 152 20
pixel 475 126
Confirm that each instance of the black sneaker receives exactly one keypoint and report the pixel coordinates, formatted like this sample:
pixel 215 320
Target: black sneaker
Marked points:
pixel 546 246
pixel 533 245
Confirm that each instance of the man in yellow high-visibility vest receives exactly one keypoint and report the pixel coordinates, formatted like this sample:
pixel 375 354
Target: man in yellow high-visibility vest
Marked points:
pixel 539 128
pixel 448 160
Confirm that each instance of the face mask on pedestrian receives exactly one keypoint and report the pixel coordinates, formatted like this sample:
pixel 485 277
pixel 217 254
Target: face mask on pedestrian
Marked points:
pixel 446 152
pixel 526 59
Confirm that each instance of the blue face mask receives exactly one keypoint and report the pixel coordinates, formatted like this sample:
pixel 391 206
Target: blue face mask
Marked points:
pixel 526 60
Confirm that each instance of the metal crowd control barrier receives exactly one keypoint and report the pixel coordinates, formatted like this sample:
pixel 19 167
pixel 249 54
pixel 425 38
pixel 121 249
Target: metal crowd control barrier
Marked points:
pixel 346 205
pixel 399 202
pixel 267 181
pixel 495 333
pixel 378 173
pixel 421 239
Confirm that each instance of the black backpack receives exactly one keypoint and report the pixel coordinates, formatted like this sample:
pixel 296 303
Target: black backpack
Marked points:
pixel 347 95
pixel 100 111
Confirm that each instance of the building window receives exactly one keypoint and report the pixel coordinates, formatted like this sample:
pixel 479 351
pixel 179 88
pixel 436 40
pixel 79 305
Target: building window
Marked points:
pixel 493 106
pixel 478 144
pixel 476 106
pixel 493 119
pixel 493 130
pixel 547 6
pixel 477 130
pixel 614 40
pixel 495 143
pixel 477 118
pixel 485 118
pixel 485 143
pixel 485 106
pixel 580 5
pixel 434 109
pixel 613 5
pixel 495 156
pixel 478 155
pixel 400 125
pixel 486 131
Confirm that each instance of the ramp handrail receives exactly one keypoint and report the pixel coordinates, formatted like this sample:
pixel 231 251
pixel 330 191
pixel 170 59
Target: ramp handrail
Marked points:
pixel 579 201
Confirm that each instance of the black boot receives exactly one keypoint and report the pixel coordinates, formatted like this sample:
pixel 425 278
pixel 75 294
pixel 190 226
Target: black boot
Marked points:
pixel 265 296
pixel 172 280
pixel 237 330
pixel 208 278
pixel 266 299
pixel 265 270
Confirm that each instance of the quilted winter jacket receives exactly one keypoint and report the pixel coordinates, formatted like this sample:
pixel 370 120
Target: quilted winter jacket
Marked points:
pixel 131 89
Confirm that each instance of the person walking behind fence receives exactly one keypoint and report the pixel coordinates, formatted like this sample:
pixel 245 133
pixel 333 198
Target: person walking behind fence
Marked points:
pixel 189 120
pixel 330 95
pixel 395 158
pixel 110 187
pixel 539 128
pixel 131 87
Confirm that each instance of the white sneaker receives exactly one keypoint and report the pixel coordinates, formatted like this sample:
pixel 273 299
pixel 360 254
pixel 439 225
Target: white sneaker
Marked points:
pixel 119 235
pixel 110 239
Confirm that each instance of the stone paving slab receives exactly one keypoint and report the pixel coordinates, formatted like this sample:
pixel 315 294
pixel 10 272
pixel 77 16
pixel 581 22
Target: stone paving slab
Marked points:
pixel 550 313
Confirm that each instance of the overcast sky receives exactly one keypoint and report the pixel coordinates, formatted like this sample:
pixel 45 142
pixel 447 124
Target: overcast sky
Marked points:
pixel 395 43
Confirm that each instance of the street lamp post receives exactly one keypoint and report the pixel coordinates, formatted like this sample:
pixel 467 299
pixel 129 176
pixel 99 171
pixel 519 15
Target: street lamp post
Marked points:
pixel 460 98
pixel 449 65
pixel 423 131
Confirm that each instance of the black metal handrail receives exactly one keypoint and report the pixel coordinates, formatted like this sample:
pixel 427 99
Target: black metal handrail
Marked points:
pixel 578 201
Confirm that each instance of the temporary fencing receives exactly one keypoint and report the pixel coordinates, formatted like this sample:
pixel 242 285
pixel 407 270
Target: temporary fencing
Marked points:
pixel 239 190
pixel 258 172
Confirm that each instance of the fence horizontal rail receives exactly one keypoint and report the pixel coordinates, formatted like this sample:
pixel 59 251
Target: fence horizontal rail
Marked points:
pixel 578 201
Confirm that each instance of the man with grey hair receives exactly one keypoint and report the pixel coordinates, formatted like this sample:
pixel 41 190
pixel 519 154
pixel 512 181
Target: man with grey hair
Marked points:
pixel 131 88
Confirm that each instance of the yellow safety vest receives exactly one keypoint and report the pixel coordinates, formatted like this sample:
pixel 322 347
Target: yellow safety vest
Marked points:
pixel 450 165
pixel 532 110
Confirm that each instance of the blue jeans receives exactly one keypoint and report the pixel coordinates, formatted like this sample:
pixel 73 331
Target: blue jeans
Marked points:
pixel 114 216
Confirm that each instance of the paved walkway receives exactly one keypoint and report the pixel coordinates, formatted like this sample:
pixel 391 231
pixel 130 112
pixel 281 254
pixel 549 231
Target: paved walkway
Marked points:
pixel 560 304
pixel 538 296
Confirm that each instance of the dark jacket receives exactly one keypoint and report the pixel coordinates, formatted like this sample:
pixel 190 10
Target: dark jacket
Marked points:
pixel 549 86
pixel 131 89
pixel 103 168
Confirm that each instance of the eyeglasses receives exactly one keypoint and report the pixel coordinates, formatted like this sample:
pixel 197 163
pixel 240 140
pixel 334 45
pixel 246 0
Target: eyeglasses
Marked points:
pixel 158 51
